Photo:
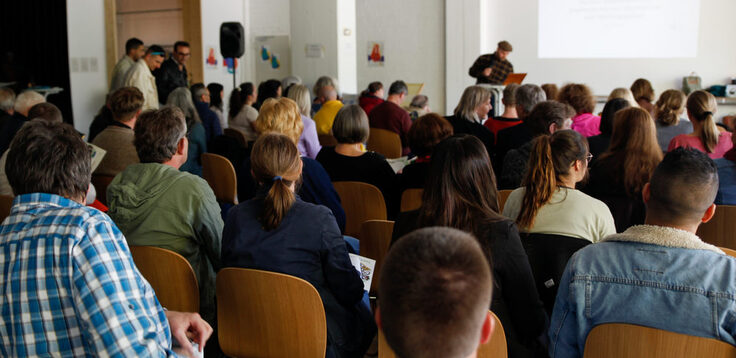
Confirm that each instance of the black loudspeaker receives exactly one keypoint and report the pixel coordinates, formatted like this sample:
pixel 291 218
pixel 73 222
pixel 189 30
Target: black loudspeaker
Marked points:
pixel 232 39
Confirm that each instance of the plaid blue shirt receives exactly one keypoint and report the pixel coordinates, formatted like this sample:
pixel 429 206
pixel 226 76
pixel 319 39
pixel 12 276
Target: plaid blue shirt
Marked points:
pixel 69 286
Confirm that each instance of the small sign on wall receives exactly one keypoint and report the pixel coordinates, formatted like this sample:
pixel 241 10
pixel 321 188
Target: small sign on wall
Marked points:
pixel 375 53
pixel 314 51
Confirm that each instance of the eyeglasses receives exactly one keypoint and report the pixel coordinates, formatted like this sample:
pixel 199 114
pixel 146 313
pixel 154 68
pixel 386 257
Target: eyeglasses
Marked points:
pixel 184 54
pixel 589 157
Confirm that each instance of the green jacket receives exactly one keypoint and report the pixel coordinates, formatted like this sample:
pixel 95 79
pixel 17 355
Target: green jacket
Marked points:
pixel 156 205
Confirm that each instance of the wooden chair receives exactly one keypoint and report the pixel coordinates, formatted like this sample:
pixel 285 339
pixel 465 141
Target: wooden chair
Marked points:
pixel 361 202
pixel 268 314
pixel 170 275
pixel 411 199
pixel 628 340
pixel 6 201
pixel 503 195
pixel 101 182
pixel 327 140
pixel 236 134
pixel 721 229
pixel 729 252
pixel 375 239
pixel 384 142
pixel 220 175
pixel 495 348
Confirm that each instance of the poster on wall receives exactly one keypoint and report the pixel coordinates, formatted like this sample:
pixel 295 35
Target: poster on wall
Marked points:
pixel 211 60
pixel 274 55
pixel 375 53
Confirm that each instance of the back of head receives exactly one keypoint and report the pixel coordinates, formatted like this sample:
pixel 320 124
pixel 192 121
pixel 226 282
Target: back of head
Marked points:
pixel 300 94
pixel 374 87
pixel 215 94
pixel 550 90
pixel 275 161
pixel 624 93
pixel 609 109
pixel 7 99
pixel 642 90
pixel 157 134
pixel 419 101
pixel 46 111
pixel 268 89
pixel 426 132
pixel 238 98
pixel 397 88
pixel 328 93
pixel 509 95
pixel 26 100
pixel 550 159
pixel 547 113
pixel 683 186
pixel 669 107
pixel 49 157
pixel 351 125
pixel 435 289
pixel 472 97
pixel 155 50
pixel 290 81
pixel 198 90
pixel 125 102
pixel 579 96
pixel 528 95
pixel 701 107
pixel 132 44
pixel 181 98
pixel 280 116
pixel 325 81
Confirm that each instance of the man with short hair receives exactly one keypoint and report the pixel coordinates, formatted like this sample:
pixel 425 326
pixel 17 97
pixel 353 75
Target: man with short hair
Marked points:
pixel 173 72
pixel 435 290
pixel 140 76
pixel 117 138
pixel 493 68
pixel 390 116
pixel 134 50
pixel 155 204
pixel 324 118
pixel 509 117
pixel 70 286
pixel 22 105
pixel 659 274
pixel 527 96
pixel 210 121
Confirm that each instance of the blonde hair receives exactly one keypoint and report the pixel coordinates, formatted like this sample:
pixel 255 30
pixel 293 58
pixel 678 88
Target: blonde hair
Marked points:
pixel 472 97
pixel 280 116
pixel 701 107
pixel 669 107
pixel 300 94
pixel 624 93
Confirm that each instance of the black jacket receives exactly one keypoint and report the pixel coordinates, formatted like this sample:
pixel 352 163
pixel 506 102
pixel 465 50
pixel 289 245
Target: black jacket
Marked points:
pixel 169 78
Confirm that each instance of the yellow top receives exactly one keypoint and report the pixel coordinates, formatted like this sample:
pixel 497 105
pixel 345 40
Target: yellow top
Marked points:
pixel 326 115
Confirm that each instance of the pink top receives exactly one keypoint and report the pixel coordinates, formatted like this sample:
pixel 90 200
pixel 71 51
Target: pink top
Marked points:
pixel 586 124
pixel 686 140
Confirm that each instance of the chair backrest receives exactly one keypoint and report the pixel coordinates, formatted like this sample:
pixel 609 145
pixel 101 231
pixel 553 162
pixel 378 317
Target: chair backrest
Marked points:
pixel 220 175
pixel 720 229
pixel 495 348
pixel 548 255
pixel 170 275
pixel 327 140
pixel 375 239
pixel 628 340
pixel 503 195
pixel 729 252
pixel 6 201
pixel 101 182
pixel 384 142
pixel 411 199
pixel 268 314
pixel 361 202
pixel 236 134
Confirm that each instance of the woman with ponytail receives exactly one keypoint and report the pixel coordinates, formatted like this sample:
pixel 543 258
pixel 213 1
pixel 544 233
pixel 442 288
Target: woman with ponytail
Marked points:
pixel 547 202
pixel 667 112
pixel 242 115
pixel 277 231
pixel 701 109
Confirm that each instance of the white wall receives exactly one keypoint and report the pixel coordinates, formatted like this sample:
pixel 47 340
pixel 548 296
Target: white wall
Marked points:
pixel 86 37
pixel 465 38
pixel 413 35
pixel 264 18
pixel 314 22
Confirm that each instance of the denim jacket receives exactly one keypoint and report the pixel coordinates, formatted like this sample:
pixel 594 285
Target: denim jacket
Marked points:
pixel 651 276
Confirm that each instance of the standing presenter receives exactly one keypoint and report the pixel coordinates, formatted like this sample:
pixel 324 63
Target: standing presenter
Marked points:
pixel 493 68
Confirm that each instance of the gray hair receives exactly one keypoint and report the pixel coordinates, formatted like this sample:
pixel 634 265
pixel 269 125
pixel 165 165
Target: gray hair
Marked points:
pixel 419 101
pixel 182 98
pixel 290 80
pixel 351 125
pixel 7 99
pixel 472 97
pixel 26 100
pixel 323 82
pixel 528 95
pixel 157 134
pixel 300 94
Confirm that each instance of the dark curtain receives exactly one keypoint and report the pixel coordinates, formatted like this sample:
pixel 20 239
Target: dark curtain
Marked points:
pixel 34 48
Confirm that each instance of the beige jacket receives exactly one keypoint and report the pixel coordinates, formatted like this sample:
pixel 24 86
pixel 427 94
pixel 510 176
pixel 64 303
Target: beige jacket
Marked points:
pixel 119 72
pixel 140 76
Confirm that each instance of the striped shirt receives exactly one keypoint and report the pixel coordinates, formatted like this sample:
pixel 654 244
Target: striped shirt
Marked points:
pixel 69 286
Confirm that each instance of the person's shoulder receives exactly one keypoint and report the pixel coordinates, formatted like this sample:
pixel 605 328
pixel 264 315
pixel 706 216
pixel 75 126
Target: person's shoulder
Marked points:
pixel 587 201
pixel 374 157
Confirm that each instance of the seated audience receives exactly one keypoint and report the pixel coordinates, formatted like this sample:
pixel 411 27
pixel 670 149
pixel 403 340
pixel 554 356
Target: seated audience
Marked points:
pixel 643 93
pixel 546 118
pixel 548 203
pixel 551 91
pixel 268 89
pixel 347 161
pixel 278 231
pixel 435 288
pixel 418 107
pixel 102 119
pixel 141 77
pixel 390 116
pixel 667 112
pixel 319 99
pixel 288 82
pixel 623 93
pixel 509 118
pixel 7 101
pixel 201 98
pixel 22 105
pixel 328 110
pixel 660 274
pixel 68 280
pixel 461 193
pixel 618 176
pixel 726 177
pixel 428 131
pixel 599 143
pixel 155 204
pixel 309 141
pixel 117 139
pixel 196 134
pixel 701 110
pixel 469 114
pixel 527 96
pixel 371 97
pixel 581 99
pixel 242 115
pixel 217 92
